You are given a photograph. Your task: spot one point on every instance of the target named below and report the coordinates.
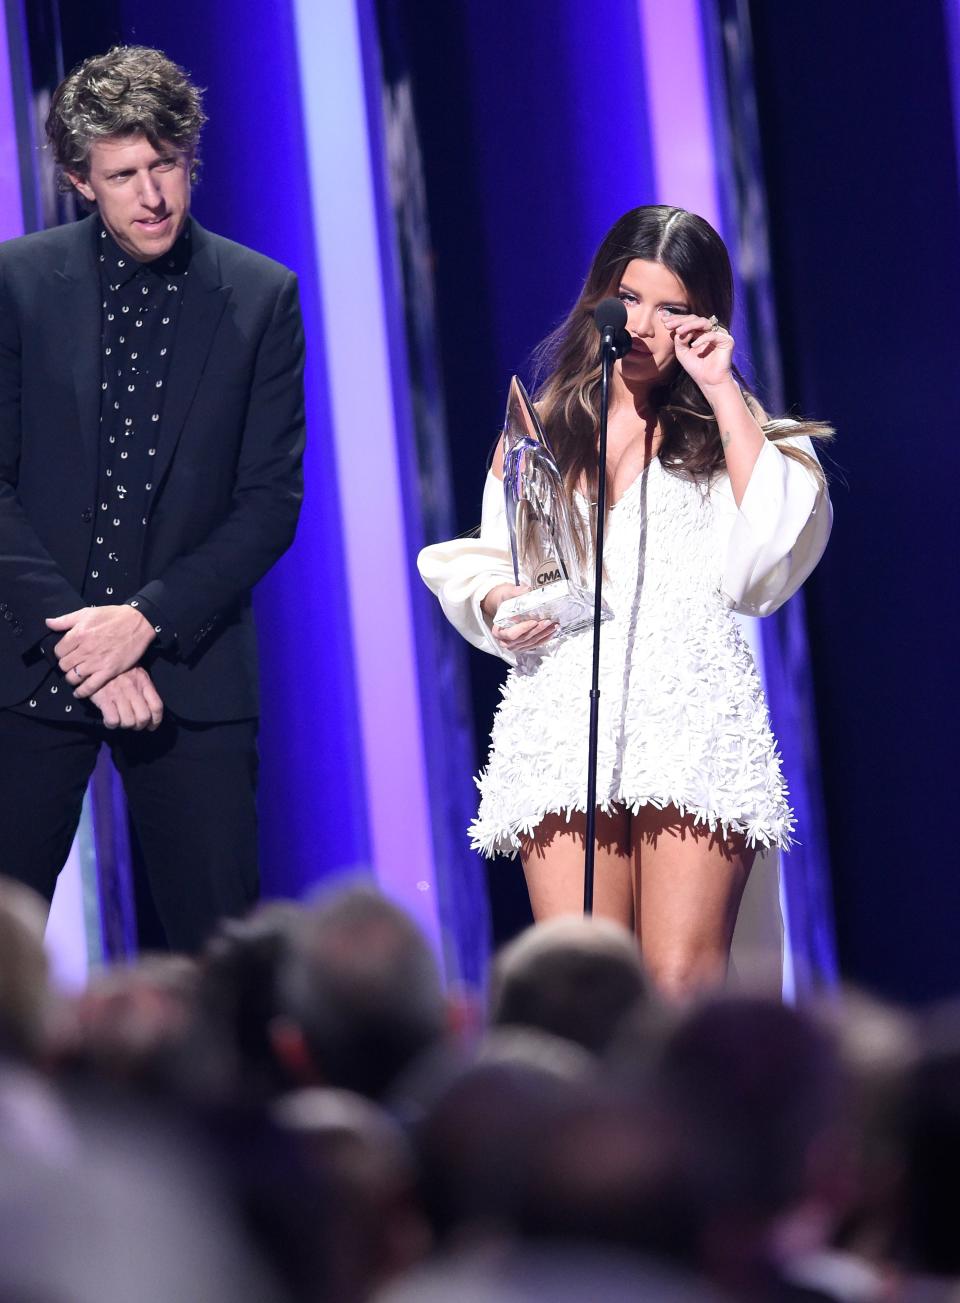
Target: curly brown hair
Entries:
(130, 90)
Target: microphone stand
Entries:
(608, 355)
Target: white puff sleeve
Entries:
(461, 573)
(773, 540)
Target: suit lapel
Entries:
(204, 300)
(78, 322)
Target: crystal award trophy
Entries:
(541, 532)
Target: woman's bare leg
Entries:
(689, 884)
(553, 865)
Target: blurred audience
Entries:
(301, 1116)
(378, 1228)
(477, 1138)
(129, 1025)
(931, 1248)
(878, 1048)
(34, 1127)
(755, 1091)
(575, 977)
(569, 1273)
(360, 996)
(24, 996)
(238, 1001)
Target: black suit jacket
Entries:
(229, 459)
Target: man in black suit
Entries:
(151, 438)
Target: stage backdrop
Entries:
(384, 151)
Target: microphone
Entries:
(611, 320)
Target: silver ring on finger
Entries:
(715, 323)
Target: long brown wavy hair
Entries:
(568, 399)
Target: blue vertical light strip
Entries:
(356, 331)
(806, 891)
(679, 107)
(11, 202)
(407, 254)
(951, 17)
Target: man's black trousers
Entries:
(191, 791)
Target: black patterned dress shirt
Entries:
(140, 308)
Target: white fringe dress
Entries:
(683, 719)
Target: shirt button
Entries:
(86, 515)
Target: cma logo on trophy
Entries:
(547, 573)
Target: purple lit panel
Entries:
(678, 101)
(365, 443)
(11, 203)
(951, 14)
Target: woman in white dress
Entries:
(712, 508)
